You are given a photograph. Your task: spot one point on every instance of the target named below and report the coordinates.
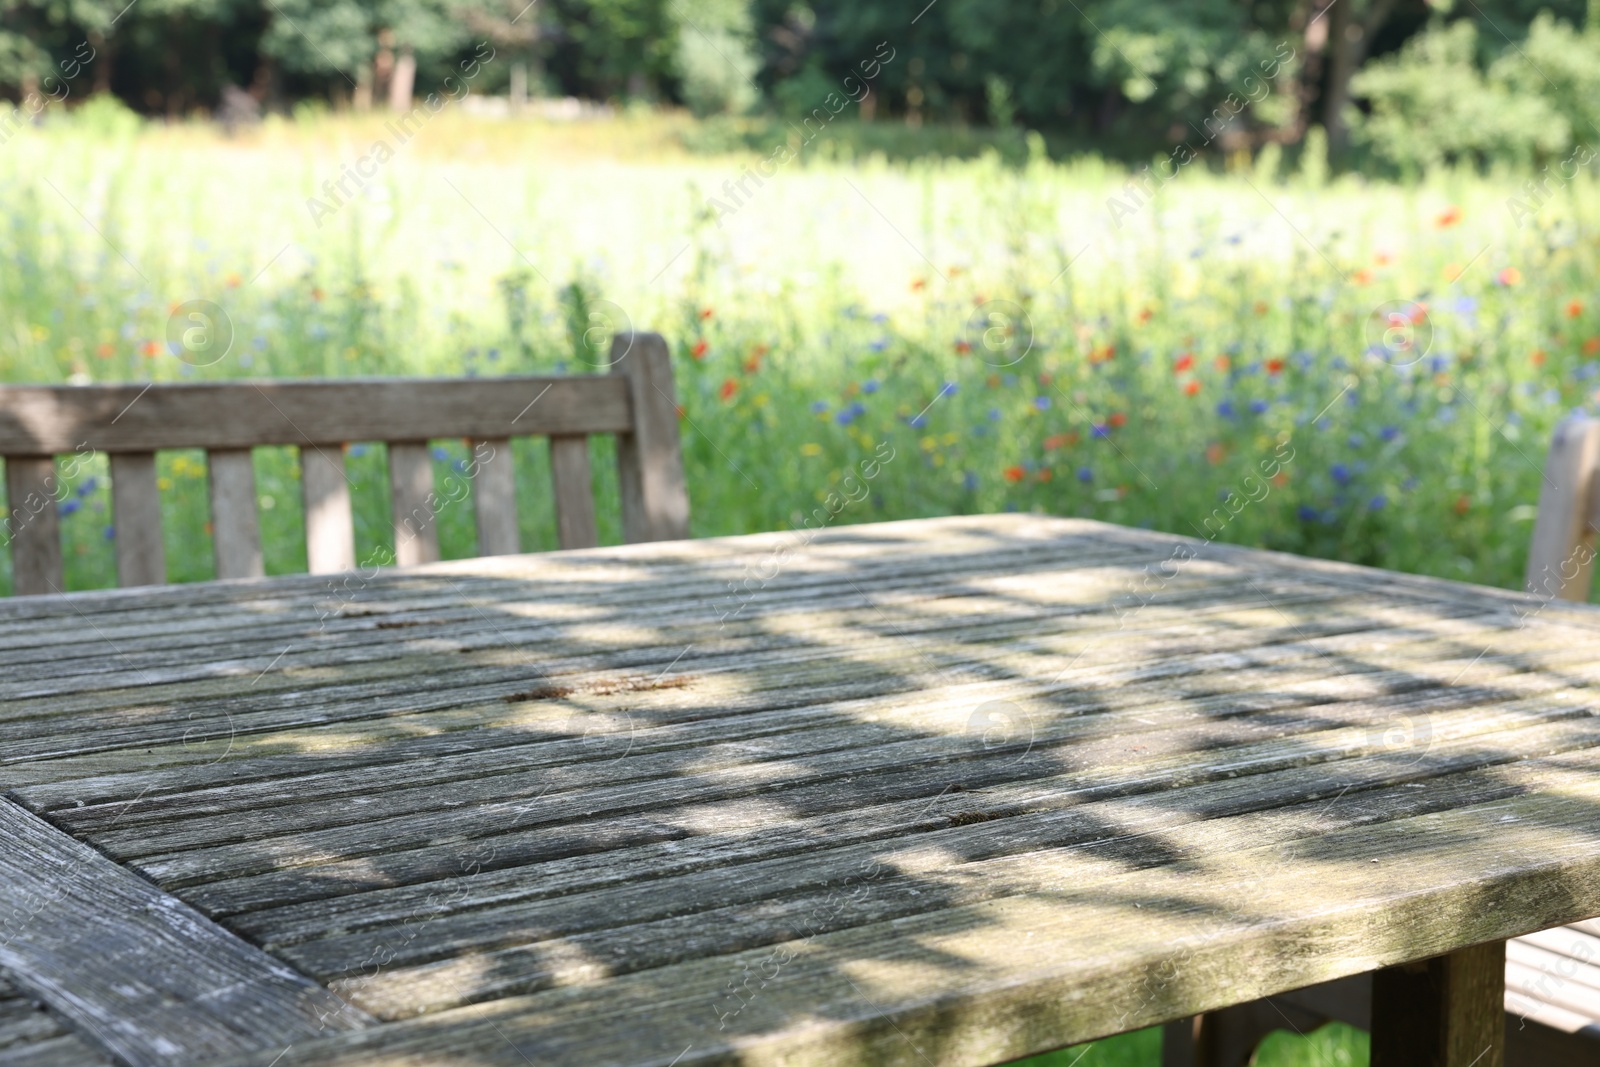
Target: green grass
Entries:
(838, 309)
(1332, 1046)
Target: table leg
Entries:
(1443, 1012)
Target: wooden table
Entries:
(938, 792)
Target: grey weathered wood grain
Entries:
(33, 1036)
(411, 501)
(32, 526)
(769, 764)
(330, 530)
(136, 511)
(472, 774)
(1561, 557)
(235, 528)
(153, 980)
(494, 497)
(574, 492)
(655, 499)
(39, 420)
(945, 984)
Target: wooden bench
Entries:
(130, 423)
(1552, 994)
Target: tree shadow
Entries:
(947, 793)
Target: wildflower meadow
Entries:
(1262, 355)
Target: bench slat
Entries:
(494, 498)
(136, 510)
(569, 470)
(39, 420)
(330, 534)
(33, 525)
(416, 528)
(235, 529)
(655, 500)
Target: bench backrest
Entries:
(1561, 556)
(636, 402)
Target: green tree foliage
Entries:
(1431, 104)
(1405, 83)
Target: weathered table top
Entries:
(937, 792)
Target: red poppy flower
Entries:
(1574, 309)
(1046, 474)
(729, 387)
(1591, 346)
(963, 347)
(700, 349)
(1448, 217)
(1184, 362)
(1274, 366)
(706, 313)
(1014, 474)
(1191, 387)
(1117, 418)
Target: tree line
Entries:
(1411, 81)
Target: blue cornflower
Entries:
(879, 345)
(1085, 474)
(1465, 305)
(994, 414)
(880, 317)
(869, 386)
(360, 450)
(1341, 473)
(440, 454)
(111, 533)
(1438, 364)
(917, 422)
(89, 485)
(1225, 409)
(1355, 440)
(1099, 430)
(460, 465)
(845, 417)
(68, 506)
(949, 389)
(1307, 513)
(970, 481)
(1042, 403)
(1259, 407)
(1389, 433)
(494, 353)
(1377, 503)
(818, 407)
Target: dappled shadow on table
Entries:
(941, 792)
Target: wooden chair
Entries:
(636, 402)
(1552, 996)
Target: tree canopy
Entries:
(1415, 81)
